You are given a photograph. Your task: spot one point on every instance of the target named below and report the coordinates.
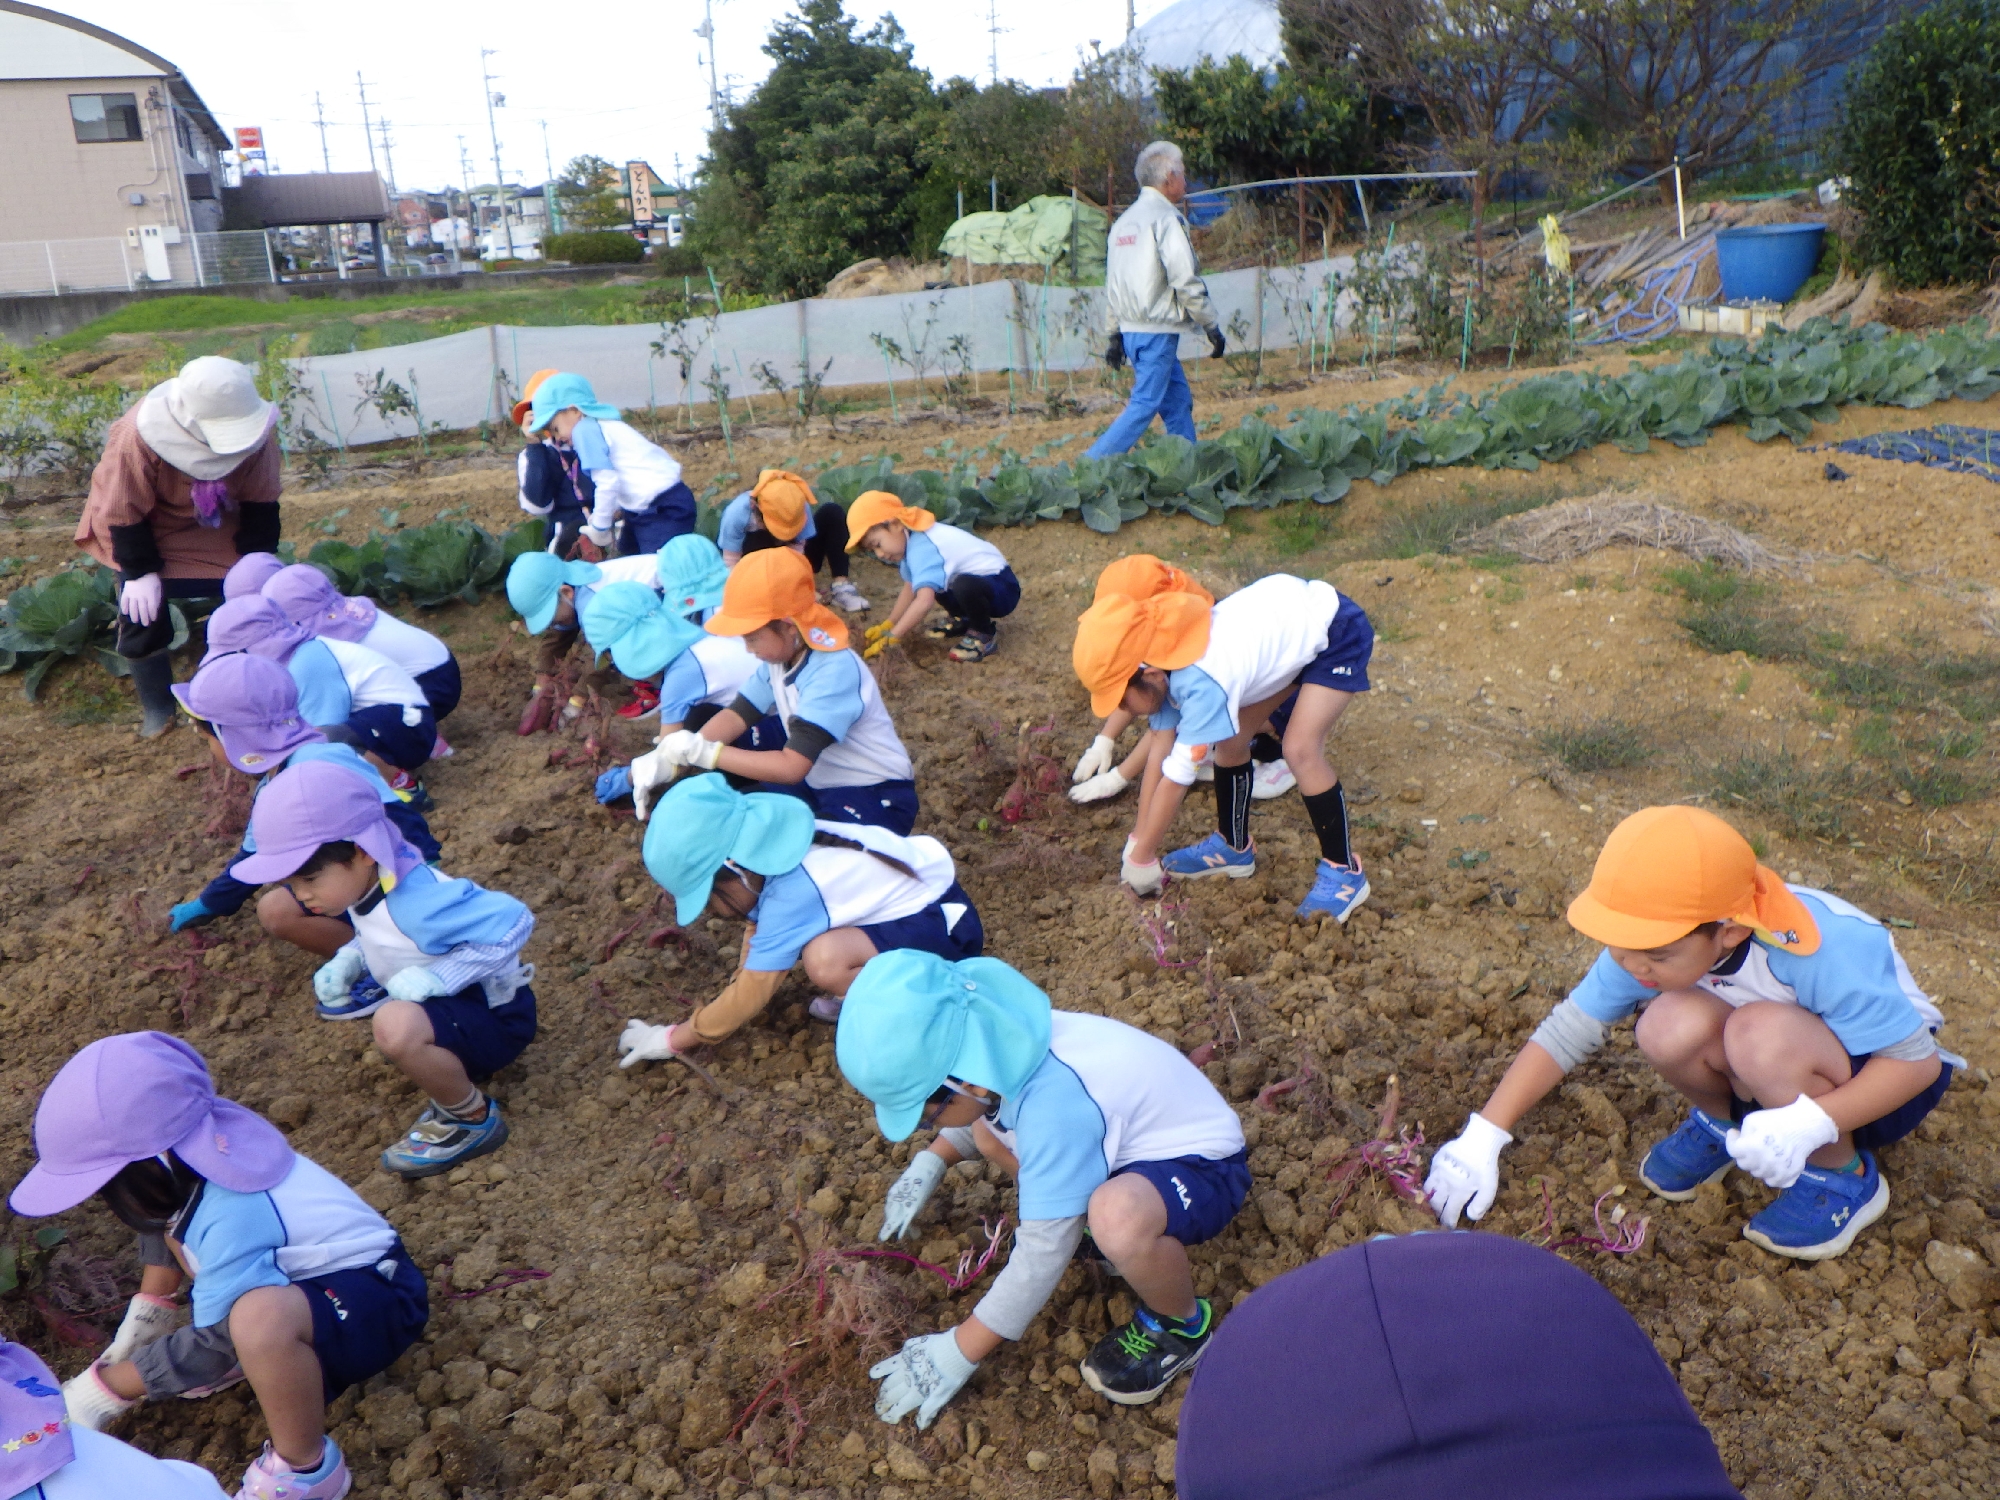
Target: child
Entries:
(249, 573)
(546, 593)
(48, 1457)
(1470, 1364)
(830, 895)
(633, 480)
(1785, 1016)
(841, 750)
(354, 695)
(780, 512)
(699, 674)
(1213, 675)
(299, 1287)
(250, 708)
(456, 1006)
(1099, 1123)
(1098, 773)
(940, 565)
(551, 485)
(307, 598)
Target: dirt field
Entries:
(671, 1222)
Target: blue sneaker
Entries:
(364, 997)
(1337, 891)
(1817, 1217)
(437, 1143)
(1692, 1155)
(1212, 856)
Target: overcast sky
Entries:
(622, 79)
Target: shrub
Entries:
(594, 247)
(1920, 136)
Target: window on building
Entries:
(201, 186)
(105, 117)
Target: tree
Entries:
(1103, 125)
(588, 193)
(1696, 77)
(1473, 70)
(817, 168)
(1002, 136)
(1235, 123)
(1920, 137)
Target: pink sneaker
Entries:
(271, 1478)
(442, 749)
(203, 1392)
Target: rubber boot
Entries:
(153, 680)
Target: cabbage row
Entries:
(1781, 384)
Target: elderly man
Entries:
(1153, 293)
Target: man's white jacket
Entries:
(1151, 281)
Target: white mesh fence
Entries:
(1030, 330)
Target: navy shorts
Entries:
(670, 515)
(483, 1037)
(1002, 590)
(1350, 642)
(931, 931)
(1202, 1193)
(886, 804)
(363, 1320)
(441, 687)
(1905, 1117)
(381, 730)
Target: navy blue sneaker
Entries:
(437, 1142)
(1134, 1364)
(1692, 1155)
(1817, 1217)
(364, 997)
(1212, 856)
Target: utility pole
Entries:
(388, 160)
(471, 227)
(993, 29)
(493, 132)
(319, 115)
(1131, 18)
(367, 130)
(706, 31)
(549, 187)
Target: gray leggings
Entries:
(188, 1358)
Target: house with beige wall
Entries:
(111, 155)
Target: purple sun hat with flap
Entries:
(34, 1421)
(318, 803)
(252, 703)
(1470, 1365)
(309, 600)
(254, 624)
(249, 573)
(125, 1098)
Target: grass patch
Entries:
(1437, 527)
(1597, 745)
(1802, 798)
(1298, 529)
(1891, 681)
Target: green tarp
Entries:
(1038, 233)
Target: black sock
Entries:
(1232, 804)
(1328, 811)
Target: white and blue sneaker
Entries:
(1693, 1156)
(1337, 891)
(438, 1142)
(1212, 856)
(1817, 1217)
(363, 998)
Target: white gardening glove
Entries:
(652, 774)
(920, 1377)
(332, 979)
(146, 1318)
(95, 1405)
(909, 1193)
(640, 1042)
(1104, 784)
(1099, 758)
(139, 600)
(686, 747)
(415, 983)
(1772, 1144)
(598, 538)
(1465, 1173)
(1147, 879)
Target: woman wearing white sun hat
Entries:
(188, 484)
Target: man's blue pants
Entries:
(1159, 388)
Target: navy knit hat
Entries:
(1433, 1367)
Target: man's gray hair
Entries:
(1157, 163)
